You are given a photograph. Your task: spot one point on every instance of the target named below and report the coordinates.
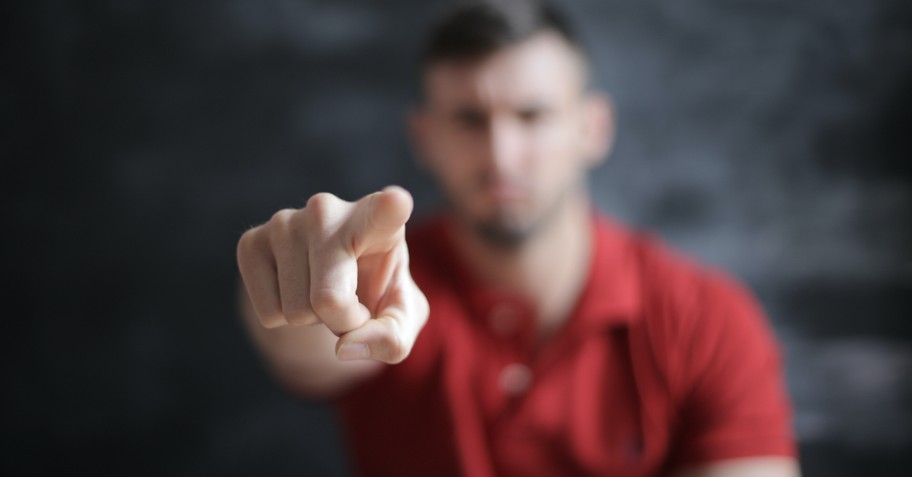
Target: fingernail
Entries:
(351, 351)
(395, 187)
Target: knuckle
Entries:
(300, 318)
(323, 212)
(402, 253)
(319, 203)
(298, 227)
(270, 321)
(249, 248)
(328, 301)
(423, 309)
(418, 308)
(395, 350)
(282, 217)
(278, 226)
(248, 239)
(245, 243)
(295, 305)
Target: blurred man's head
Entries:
(508, 126)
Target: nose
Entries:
(505, 145)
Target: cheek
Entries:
(557, 155)
(452, 160)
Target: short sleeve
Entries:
(736, 404)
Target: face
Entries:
(510, 136)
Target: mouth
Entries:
(502, 190)
(505, 192)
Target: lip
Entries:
(505, 192)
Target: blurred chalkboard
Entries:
(140, 138)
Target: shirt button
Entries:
(515, 379)
(504, 319)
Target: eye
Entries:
(470, 119)
(531, 114)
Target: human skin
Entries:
(509, 137)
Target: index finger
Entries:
(377, 222)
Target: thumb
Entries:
(389, 337)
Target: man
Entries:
(519, 332)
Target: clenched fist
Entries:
(342, 265)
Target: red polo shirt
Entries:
(662, 364)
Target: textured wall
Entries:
(140, 138)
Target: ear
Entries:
(599, 127)
(419, 133)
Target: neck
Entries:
(549, 269)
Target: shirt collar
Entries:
(610, 296)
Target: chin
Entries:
(504, 224)
(505, 230)
(499, 236)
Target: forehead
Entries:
(543, 68)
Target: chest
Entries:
(587, 404)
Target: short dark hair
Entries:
(475, 28)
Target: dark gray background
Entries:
(140, 138)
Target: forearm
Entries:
(746, 467)
(303, 358)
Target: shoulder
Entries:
(693, 314)
(716, 356)
(681, 292)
